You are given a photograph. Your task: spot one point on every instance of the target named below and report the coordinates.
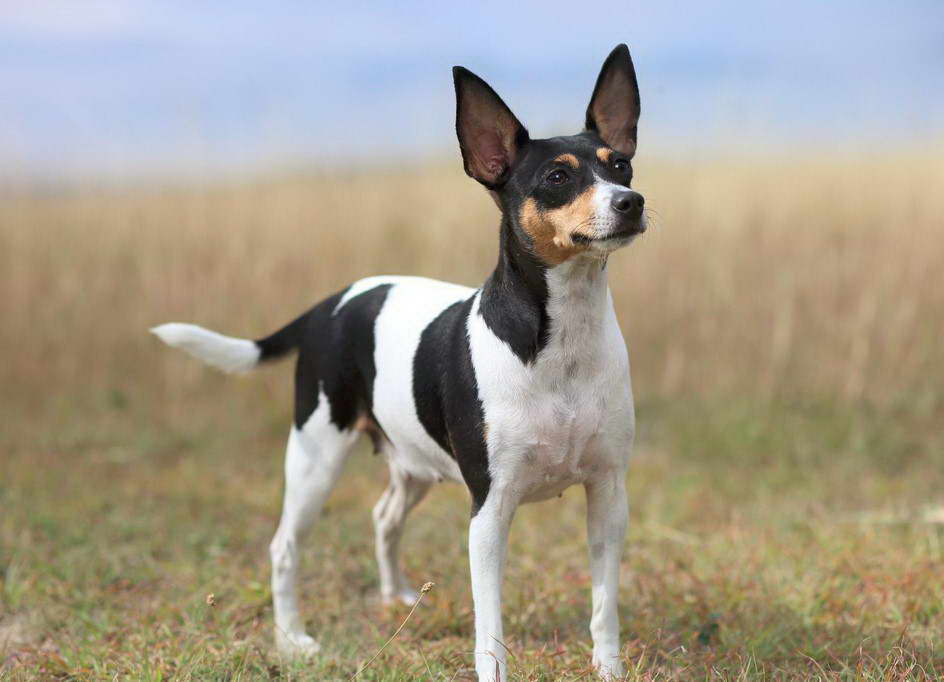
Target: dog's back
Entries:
(399, 323)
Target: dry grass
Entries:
(785, 324)
(763, 277)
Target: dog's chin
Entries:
(615, 238)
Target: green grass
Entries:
(768, 541)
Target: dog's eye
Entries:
(557, 177)
(622, 165)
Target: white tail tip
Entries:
(223, 352)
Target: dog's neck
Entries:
(525, 302)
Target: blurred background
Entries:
(108, 88)
(232, 163)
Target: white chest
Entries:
(566, 417)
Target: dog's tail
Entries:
(226, 352)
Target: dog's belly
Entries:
(412, 304)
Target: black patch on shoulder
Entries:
(337, 352)
(446, 394)
(514, 299)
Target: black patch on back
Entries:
(446, 394)
(285, 340)
(337, 353)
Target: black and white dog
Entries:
(519, 388)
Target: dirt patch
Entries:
(20, 638)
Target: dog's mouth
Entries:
(623, 233)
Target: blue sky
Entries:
(123, 88)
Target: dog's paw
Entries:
(296, 645)
(608, 666)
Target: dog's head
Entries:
(563, 196)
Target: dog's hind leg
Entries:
(402, 494)
(313, 462)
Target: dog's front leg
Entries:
(607, 517)
(488, 542)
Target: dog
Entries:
(520, 388)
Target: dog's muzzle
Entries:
(628, 206)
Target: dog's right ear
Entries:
(614, 108)
(490, 136)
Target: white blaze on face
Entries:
(606, 219)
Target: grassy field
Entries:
(784, 320)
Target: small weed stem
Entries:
(423, 590)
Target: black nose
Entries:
(628, 202)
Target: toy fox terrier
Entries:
(519, 388)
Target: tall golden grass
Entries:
(808, 275)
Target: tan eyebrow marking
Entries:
(604, 154)
(569, 159)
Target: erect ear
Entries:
(614, 108)
(490, 136)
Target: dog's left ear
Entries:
(614, 108)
